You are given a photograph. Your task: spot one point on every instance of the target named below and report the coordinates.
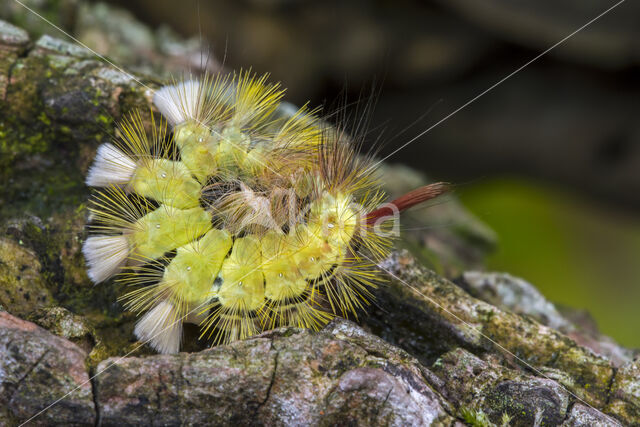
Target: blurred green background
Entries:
(578, 252)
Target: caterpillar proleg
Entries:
(235, 217)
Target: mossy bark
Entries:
(58, 103)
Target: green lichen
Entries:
(535, 345)
(22, 289)
(104, 119)
(475, 418)
(44, 119)
(506, 404)
(57, 248)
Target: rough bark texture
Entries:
(38, 368)
(430, 351)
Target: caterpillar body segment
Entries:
(163, 180)
(290, 298)
(198, 149)
(227, 127)
(185, 285)
(312, 255)
(127, 232)
(167, 181)
(168, 228)
(145, 166)
(237, 217)
(332, 219)
(189, 274)
(282, 282)
(242, 279)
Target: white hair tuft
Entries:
(111, 167)
(105, 255)
(179, 103)
(161, 328)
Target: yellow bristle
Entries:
(302, 311)
(253, 100)
(134, 138)
(301, 130)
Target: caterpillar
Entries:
(232, 215)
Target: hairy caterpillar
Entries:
(236, 217)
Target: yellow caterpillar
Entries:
(237, 218)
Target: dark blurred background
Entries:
(550, 158)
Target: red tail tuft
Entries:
(408, 200)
